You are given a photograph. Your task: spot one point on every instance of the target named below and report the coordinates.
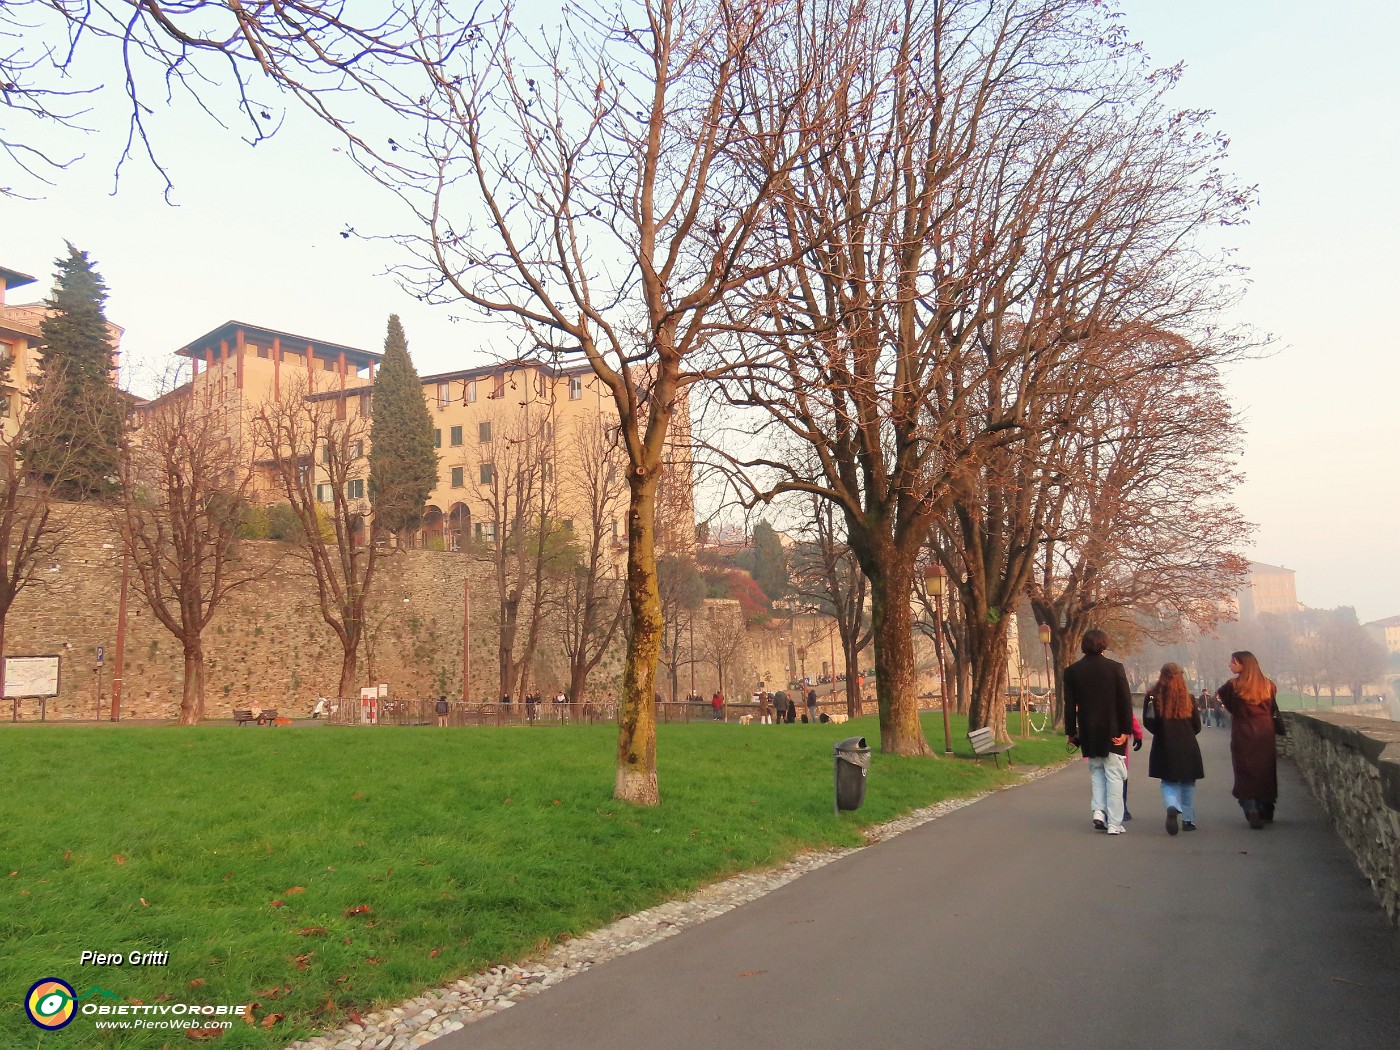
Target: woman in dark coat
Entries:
(1252, 701)
(1174, 720)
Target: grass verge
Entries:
(322, 871)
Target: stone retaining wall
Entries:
(1352, 765)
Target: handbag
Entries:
(1149, 710)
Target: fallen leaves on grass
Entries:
(434, 953)
(198, 982)
(143, 901)
(373, 960)
(303, 962)
(272, 1019)
(312, 931)
(359, 909)
(118, 858)
(278, 904)
(203, 1035)
(293, 891)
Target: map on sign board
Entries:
(29, 676)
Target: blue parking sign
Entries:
(100, 653)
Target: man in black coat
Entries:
(1099, 721)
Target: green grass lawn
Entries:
(316, 871)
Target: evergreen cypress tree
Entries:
(770, 569)
(402, 463)
(76, 442)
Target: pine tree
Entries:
(76, 442)
(402, 463)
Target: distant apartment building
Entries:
(1267, 589)
(484, 420)
(20, 339)
(1387, 632)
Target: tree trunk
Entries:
(192, 694)
(896, 687)
(636, 734)
(348, 659)
(855, 706)
(986, 650)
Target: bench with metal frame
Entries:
(984, 742)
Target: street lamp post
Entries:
(802, 663)
(1049, 678)
(936, 582)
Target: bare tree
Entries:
(230, 60)
(186, 477)
(723, 640)
(513, 471)
(315, 445)
(825, 575)
(591, 601)
(1010, 183)
(605, 188)
(1142, 520)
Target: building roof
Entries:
(1261, 567)
(1389, 621)
(13, 278)
(481, 371)
(229, 330)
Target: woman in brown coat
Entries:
(1173, 719)
(1252, 701)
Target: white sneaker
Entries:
(1099, 821)
(1117, 829)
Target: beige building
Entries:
(520, 419)
(1387, 632)
(1267, 589)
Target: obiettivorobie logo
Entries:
(51, 1003)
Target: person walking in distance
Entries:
(1099, 721)
(1251, 700)
(1174, 720)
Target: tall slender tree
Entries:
(75, 443)
(402, 463)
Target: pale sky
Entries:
(1306, 93)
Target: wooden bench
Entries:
(984, 742)
(264, 717)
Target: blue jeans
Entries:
(1107, 776)
(1181, 797)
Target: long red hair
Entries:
(1250, 684)
(1173, 698)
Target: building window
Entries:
(323, 493)
(483, 430)
(437, 439)
(443, 396)
(456, 437)
(326, 454)
(355, 488)
(357, 450)
(457, 481)
(366, 404)
(486, 530)
(498, 385)
(471, 391)
(262, 351)
(488, 473)
(575, 388)
(327, 365)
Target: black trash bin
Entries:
(852, 761)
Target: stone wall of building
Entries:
(1352, 765)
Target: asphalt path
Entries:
(1012, 923)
